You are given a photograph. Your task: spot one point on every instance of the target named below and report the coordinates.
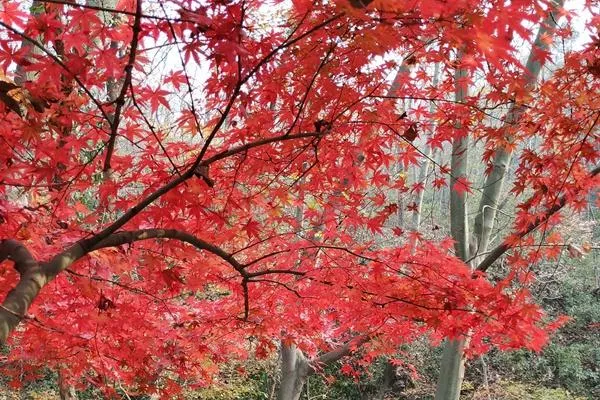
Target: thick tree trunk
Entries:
(452, 370)
(66, 391)
(294, 371)
(296, 368)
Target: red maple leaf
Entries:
(462, 186)
(252, 229)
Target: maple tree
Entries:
(150, 207)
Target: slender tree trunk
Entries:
(424, 169)
(452, 367)
(486, 215)
(113, 87)
(395, 90)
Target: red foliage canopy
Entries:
(190, 181)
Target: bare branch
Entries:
(246, 299)
(153, 131)
(275, 271)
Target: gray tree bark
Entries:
(452, 367)
(424, 169)
(296, 368)
(294, 371)
(488, 206)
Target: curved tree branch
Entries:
(32, 279)
(261, 142)
(33, 276)
(63, 260)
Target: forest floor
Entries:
(496, 391)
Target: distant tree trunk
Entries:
(486, 215)
(113, 87)
(424, 169)
(387, 384)
(20, 74)
(395, 90)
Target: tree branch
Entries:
(127, 237)
(504, 247)
(337, 353)
(120, 100)
(114, 10)
(33, 276)
(31, 280)
(241, 81)
(261, 142)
